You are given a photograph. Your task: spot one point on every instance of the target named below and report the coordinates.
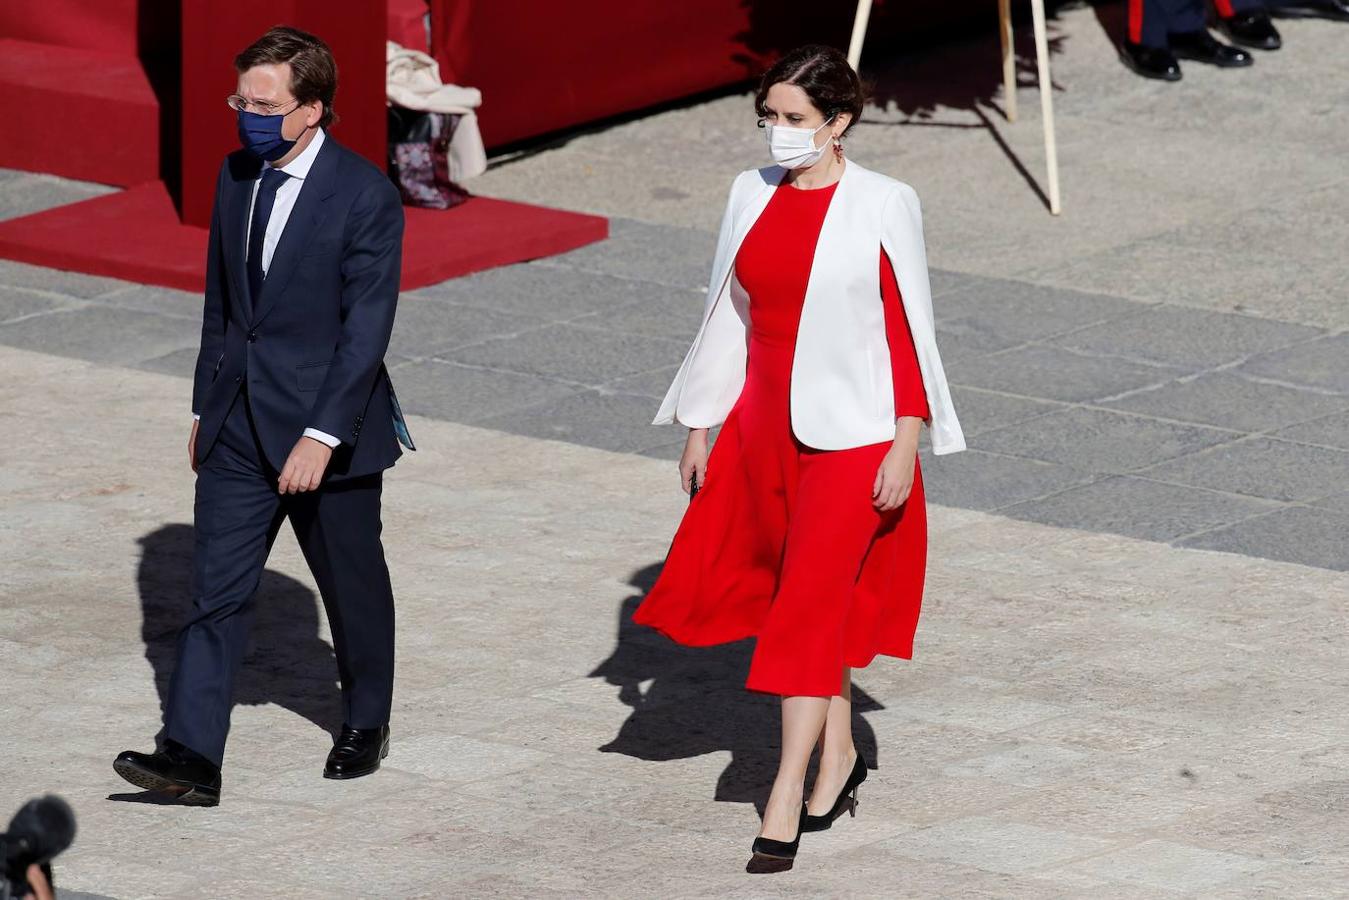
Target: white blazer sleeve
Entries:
(903, 241)
(666, 414)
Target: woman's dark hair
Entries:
(824, 74)
(313, 71)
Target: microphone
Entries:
(41, 829)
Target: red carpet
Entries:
(136, 235)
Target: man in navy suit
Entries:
(295, 413)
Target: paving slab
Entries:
(1328, 431)
(56, 281)
(1174, 867)
(29, 192)
(103, 334)
(428, 327)
(1260, 467)
(1115, 442)
(1311, 536)
(1185, 338)
(1228, 400)
(16, 303)
(1037, 370)
(465, 393)
(1316, 364)
(1011, 312)
(611, 421)
(638, 251)
(988, 481)
(573, 353)
(546, 289)
(1137, 506)
(153, 299)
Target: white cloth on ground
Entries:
(412, 81)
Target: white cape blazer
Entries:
(842, 393)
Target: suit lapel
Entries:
(234, 225)
(309, 210)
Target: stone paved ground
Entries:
(1100, 704)
(1097, 714)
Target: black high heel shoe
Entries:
(847, 799)
(775, 856)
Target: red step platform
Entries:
(136, 235)
(80, 113)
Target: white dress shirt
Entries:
(286, 195)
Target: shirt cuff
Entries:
(196, 417)
(322, 437)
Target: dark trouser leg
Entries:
(1149, 22)
(1228, 8)
(1184, 16)
(338, 528)
(237, 515)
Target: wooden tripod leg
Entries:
(859, 33)
(1008, 59)
(1046, 103)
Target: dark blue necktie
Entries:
(272, 179)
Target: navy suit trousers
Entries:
(1151, 21)
(238, 514)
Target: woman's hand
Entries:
(894, 478)
(693, 464)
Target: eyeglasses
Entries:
(240, 104)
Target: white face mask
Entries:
(794, 148)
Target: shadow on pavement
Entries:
(288, 663)
(689, 701)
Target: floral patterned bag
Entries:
(419, 144)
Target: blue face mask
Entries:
(261, 135)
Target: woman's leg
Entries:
(837, 754)
(802, 721)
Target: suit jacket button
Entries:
(238, 379)
(252, 337)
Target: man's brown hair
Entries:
(313, 71)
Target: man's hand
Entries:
(39, 889)
(304, 467)
(192, 445)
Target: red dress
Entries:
(782, 542)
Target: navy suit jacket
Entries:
(311, 346)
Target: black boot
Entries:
(1335, 10)
(357, 752)
(175, 770)
(1203, 47)
(1252, 29)
(1151, 62)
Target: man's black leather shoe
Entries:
(175, 770)
(1337, 10)
(357, 752)
(1151, 62)
(1252, 29)
(1203, 47)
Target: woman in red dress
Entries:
(819, 553)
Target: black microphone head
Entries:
(42, 828)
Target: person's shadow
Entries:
(287, 663)
(688, 701)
